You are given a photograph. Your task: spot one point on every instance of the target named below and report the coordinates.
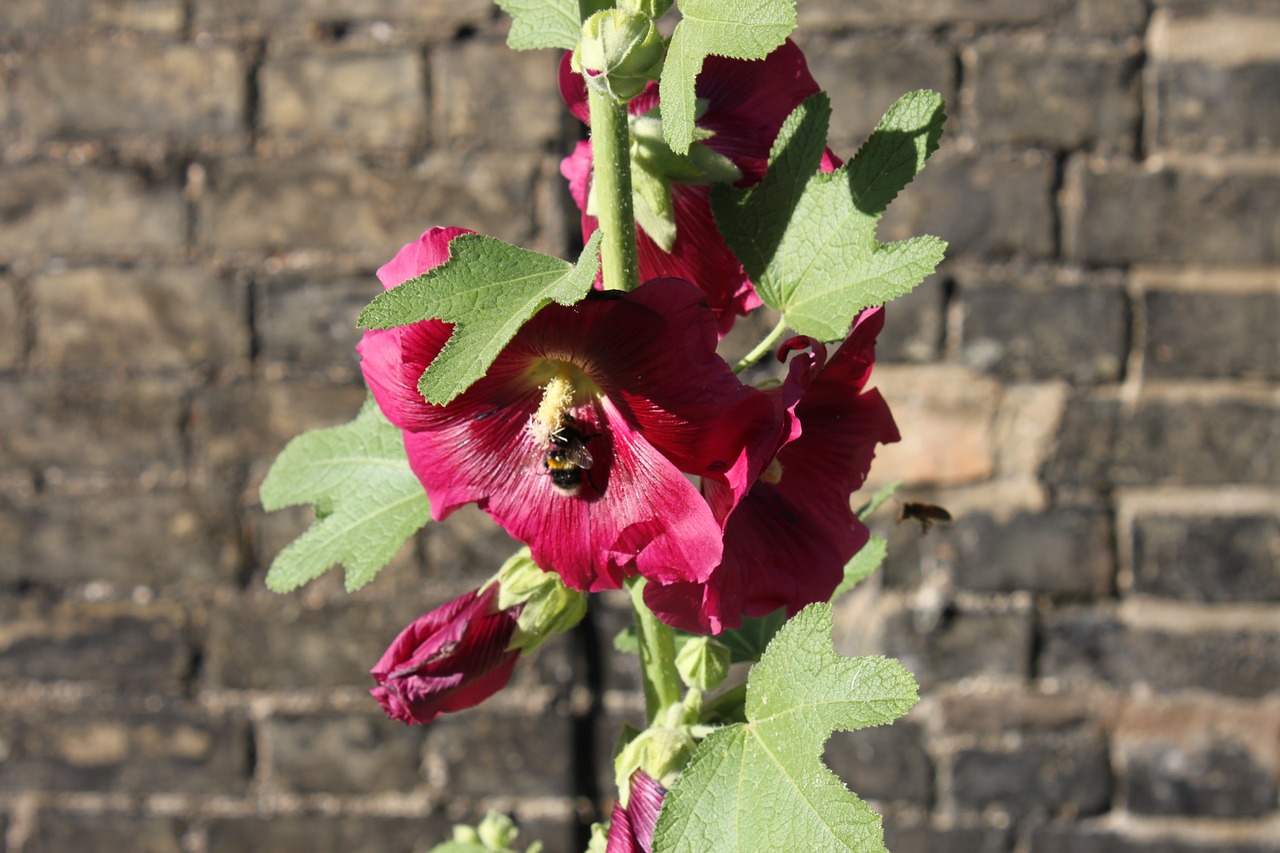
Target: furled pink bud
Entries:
(631, 828)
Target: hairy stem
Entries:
(611, 158)
(762, 348)
(657, 654)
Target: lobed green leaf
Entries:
(366, 498)
(487, 289)
(542, 23)
(761, 785)
(807, 239)
(738, 29)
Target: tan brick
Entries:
(108, 88)
(1213, 36)
(946, 416)
(438, 19)
(484, 94)
(124, 429)
(138, 320)
(42, 16)
(12, 332)
(341, 205)
(835, 13)
(360, 98)
(49, 209)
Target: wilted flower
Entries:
(787, 541)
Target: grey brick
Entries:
(1059, 552)
(310, 324)
(1081, 645)
(961, 645)
(125, 429)
(488, 754)
(871, 13)
(913, 324)
(143, 320)
(1222, 558)
(348, 753)
(179, 749)
(64, 831)
(1063, 98)
(317, 833)
(990, 205)
(1131, 214)
(1084, 449)
(177, 91)
(1217, 778)
(467, 547)
(49, 209)
(883, 763)
(926, 839)
(885, 69)
(340, 205)
(484, 95)
(1212, 335)
(1207, 107)
(153, 539)
(1109, 17)
(1187, 441)
(1006, 333)
(1080, 838)
(125, 647)
(1071, 775)
(278, 643)
(360, 98)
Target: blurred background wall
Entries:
(193, 197)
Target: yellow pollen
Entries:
(557, 399)
(773, 473)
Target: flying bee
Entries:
(567, 458)
(924, 513)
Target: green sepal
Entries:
(548, 606)
(703, 663)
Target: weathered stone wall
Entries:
(193, 197)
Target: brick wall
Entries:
(194, 195)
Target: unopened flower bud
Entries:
(622, 51)
(549, 607)
(497, 831)
(660, 752)
(703, 663)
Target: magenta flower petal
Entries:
(652, 402)
(787, 541)
(452, 658)
(631, 829)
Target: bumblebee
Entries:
(567, 458)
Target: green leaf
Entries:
(878, 499)
(738, 29)
(761, 785)
(542, 23)
(862, 565)
(808, 239)
(748, 642)
(488, 289)
(367, 500)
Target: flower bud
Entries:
(621, 51)
(703, 663)
(497, 831)
(546, 605)
(662, 753)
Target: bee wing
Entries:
(580, 456)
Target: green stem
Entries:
(611, 158)
(662, 684)
(762, 348)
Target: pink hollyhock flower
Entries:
(452, 658)
(747, 102)
(631, 828)
(578, 439)
(787, 541)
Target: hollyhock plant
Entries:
(787, 541)
(746, 104)
(451, 658)
(578, 439)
